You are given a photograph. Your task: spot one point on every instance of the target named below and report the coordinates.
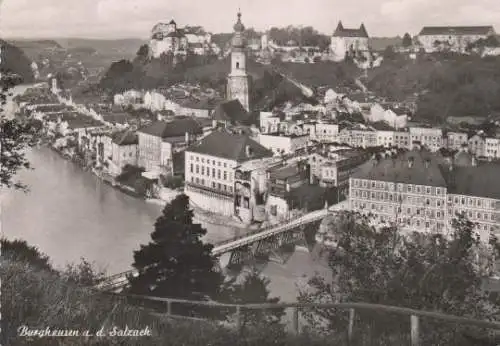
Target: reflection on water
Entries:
(70, 214)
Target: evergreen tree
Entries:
(253, 289)
(176, 264)
(407, 41)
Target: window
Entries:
(438, 191)
(218, 186)
(230, 189)
(202, 181)
(213, 184)
(225, 165)
(197, 159)
(192, 179)
(197, 181)
(192, 168)
(218, 174)
(202, 160)
(197, 169)
(225, 175)
(428, 190)
(409, 188)
(202, 170)
(213, 172)
(373, 184)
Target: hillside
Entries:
(33, 48)
(448, 85)
(115, 49)
(15, 61)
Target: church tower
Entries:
(238, 81)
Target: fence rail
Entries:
(414, 316)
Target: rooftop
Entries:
(231, 111)
(344, 32)
(175, 128)
(479, 181)
(424, 169)
(457, 30)
(230, 146)
(125, 138)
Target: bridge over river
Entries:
(237, 249)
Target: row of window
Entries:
(389, 209)
(471, 202)
(382, 185)
(208, 161)
(214, 185)
(395, 197)
(197, 169)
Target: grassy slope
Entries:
(39, 299)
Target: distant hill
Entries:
(15, 61)
(119, 48)
(33, 48)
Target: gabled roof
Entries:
(340, 31)
(457, 30)
(125, 138)
(230, 146)
(398, 170)
(175, 128)
(231, 111)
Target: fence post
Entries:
(350, 326)
(238, 318)
(415, 338)
(169, 307)
(295, 320)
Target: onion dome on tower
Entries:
(238, 40)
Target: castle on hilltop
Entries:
(168, 38)
(352, 42)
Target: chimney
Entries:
(248, 151)
(474, 162)
(427, 163)
(410, 162)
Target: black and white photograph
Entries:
(252, 172)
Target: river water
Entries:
(69, 214)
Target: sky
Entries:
(135, 18)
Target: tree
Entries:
(176, 263)
(17, 134)
(19, 251)
(253, 289)
(407, 41)
(420, 271)
(389, 53)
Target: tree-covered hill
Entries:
(448, 84)
(15, 61)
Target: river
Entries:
(70, 214)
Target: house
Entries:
(209, 169)
(326, 132)
(456, 140)
(358, 136)
(230, 113)
(124, 151)
(492, 147)
(160, 140)
(251, 186)
(282, 181)
(281, 143)
(456, 38)
(477, 145)
(348, 41)
(429, 137)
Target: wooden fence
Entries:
(414, 316)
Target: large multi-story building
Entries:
(210, 166)
(359, 137)
(166, 38)
(429, 137)
(238, 81)
(348, 41)
(456, 38)
(418, 191)
(159, 141)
